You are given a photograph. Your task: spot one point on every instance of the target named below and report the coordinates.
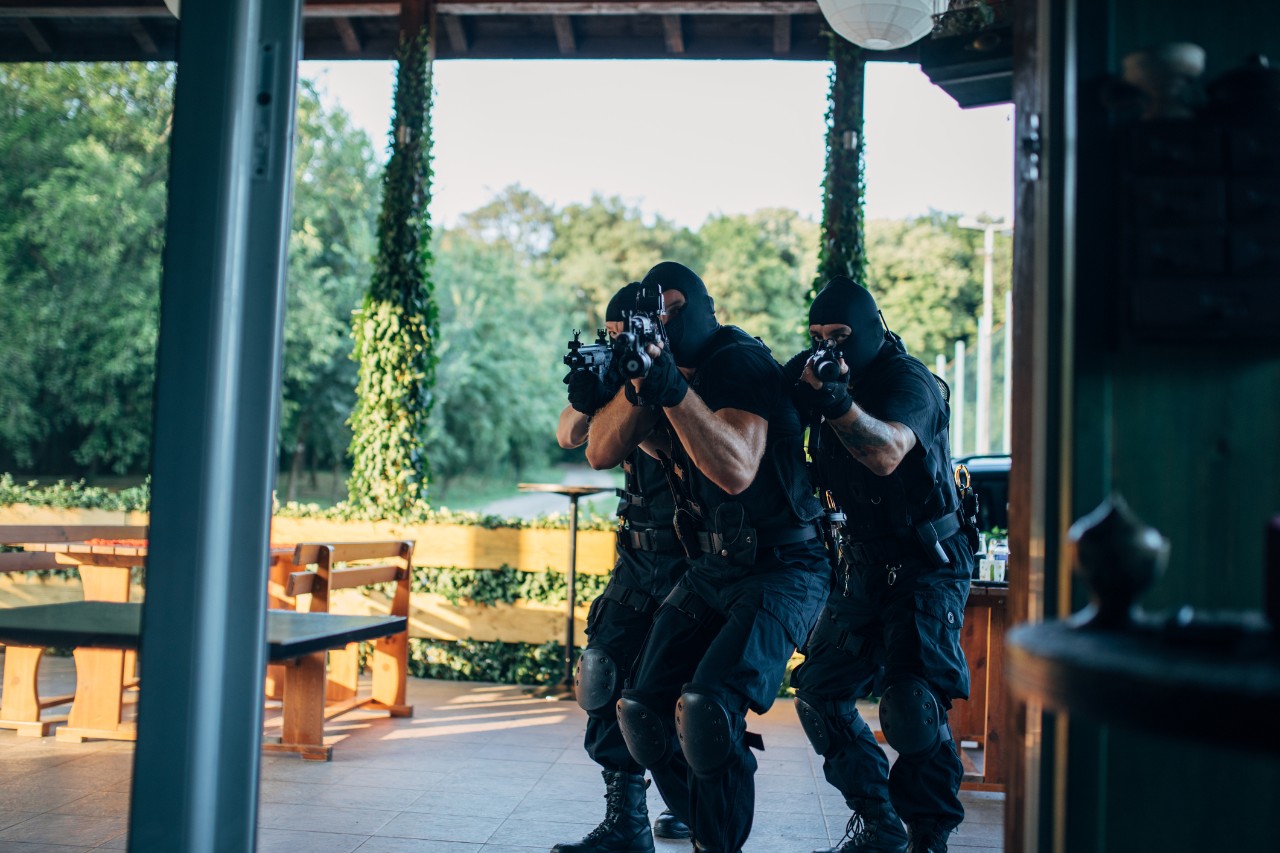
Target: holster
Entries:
(930, 534)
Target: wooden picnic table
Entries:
(102, 674)
(110, 625)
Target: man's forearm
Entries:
(571, 431)
(726, 449)
(616, 430)
(880, 445)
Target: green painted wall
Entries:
(1190, 435)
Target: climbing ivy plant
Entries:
(396, 327)
(843, 250)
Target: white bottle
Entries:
(999, 555)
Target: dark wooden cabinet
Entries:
(1199, 231)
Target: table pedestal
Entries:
(564, 688)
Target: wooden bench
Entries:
(106, 625)
(312, 695)
(21, 706)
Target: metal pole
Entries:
(1008, 371)
(203, 649)
(573, 590)
(957, 403)
(982, 427)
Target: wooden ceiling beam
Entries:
(385, 9)
(31, 30)
(138, 29)
(673, 34)
(346, 32)
(456, 32)
(781, 35)
(565, 41)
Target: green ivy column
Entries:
(396, 328)
(843, 251)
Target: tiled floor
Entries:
(480, 768)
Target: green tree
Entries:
(396, 328)
(516, 220)
(81, 196)
(330, 263)
(82, 205)
(758, 267)
(502, 334)
(600, 246)
(926, 274)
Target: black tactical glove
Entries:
(664, 384)
(587, 392)
(831, 400)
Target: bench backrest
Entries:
(16, 534)
(394, 563)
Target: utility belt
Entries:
(741, 548)
(626, 498)
(648, 538)
(636, 599)
(922, 540)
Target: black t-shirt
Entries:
(896, 387)
(739, 373)
(645, 480)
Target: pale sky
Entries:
(686, 139)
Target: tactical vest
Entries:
(919, 490)
(645, 500)
(781, 496)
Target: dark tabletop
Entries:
(113, 625)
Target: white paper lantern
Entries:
(879, 24)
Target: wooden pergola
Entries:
(104, 30)
(219, 352)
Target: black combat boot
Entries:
(625, 828)
(927, 837)
(874, 827)
(669, 826)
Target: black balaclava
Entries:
(692, 329)
(845, 301)
(624, 300)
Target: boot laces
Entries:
(857, 832)
(612, 811)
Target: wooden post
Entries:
(842, 251)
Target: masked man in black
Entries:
(902, 578)
(721, 640)
(649, 563)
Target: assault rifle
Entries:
(594, 357)
(644, 327)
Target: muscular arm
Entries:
(571, 432)
(880, 445)
(726, 445)
(616, 430)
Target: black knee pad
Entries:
(829, 725)
(708, 731)
(597, 681)
(912, 719)
(647, 737)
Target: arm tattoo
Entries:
(864, 437)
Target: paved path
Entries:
(536, 504)
(479, 768)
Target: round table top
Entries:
(562, 489)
